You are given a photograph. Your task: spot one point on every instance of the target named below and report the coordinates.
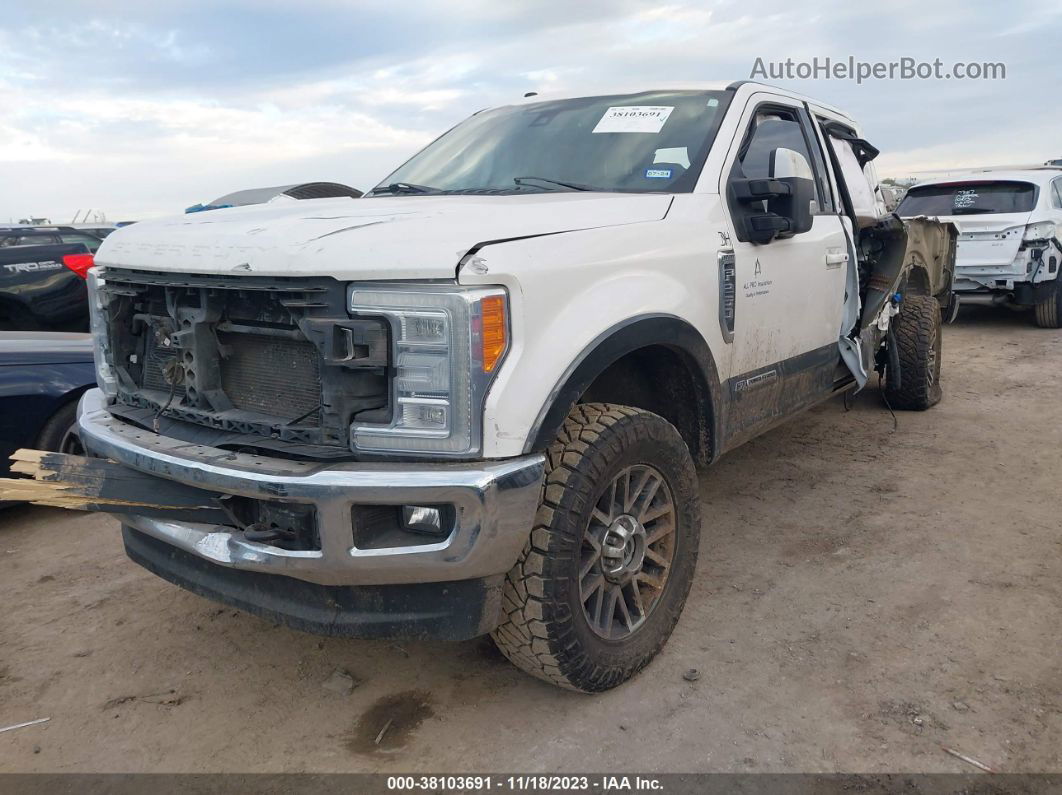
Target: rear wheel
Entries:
(917, 334)
(1049, 310)
(605, 574)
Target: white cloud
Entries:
(145, 108)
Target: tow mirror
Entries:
(787, 195)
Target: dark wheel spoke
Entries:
(657, 583)
(599, 606)
(656, 513)
(636, 599)
(655, 557)
(588, 564)
(647, 499)
(633, 495)
(610, 609)
(624, 609)
(592, 585)
(661, 530)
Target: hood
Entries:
(44, 347)
(405, 237)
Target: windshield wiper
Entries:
(403, 187)
(569, 185)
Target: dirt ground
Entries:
(864, 597)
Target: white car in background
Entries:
(1009, 224)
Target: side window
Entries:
(91, 243)
(29, 240)
(1056, 193)
(776, 127)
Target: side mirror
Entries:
(789, 164)
(787, 195)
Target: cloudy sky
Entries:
(143, 108)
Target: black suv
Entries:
(42, 277)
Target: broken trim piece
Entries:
(59, 480)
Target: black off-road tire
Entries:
(545, 630)
(1049, 310)
(59, 434)
(917, 333)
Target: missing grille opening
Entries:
(275, 358)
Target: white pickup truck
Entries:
(474, 400)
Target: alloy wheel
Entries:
(627, 551)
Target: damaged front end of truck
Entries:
(222, 438)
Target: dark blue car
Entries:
(42, 377)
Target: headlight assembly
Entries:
(98, 327)
(447, 344)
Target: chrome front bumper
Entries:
(495, 506)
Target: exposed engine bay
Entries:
(245, 362)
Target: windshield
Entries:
(969, 198)
(641, 143)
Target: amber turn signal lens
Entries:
(495, 331)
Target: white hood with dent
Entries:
(408, 237)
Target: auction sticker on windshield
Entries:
(634, 119)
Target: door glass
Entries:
(773, 128)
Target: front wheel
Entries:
(605, 573)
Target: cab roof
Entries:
(678, 85)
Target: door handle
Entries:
(835, 257)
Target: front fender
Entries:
(580, 303)
(610, 346)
